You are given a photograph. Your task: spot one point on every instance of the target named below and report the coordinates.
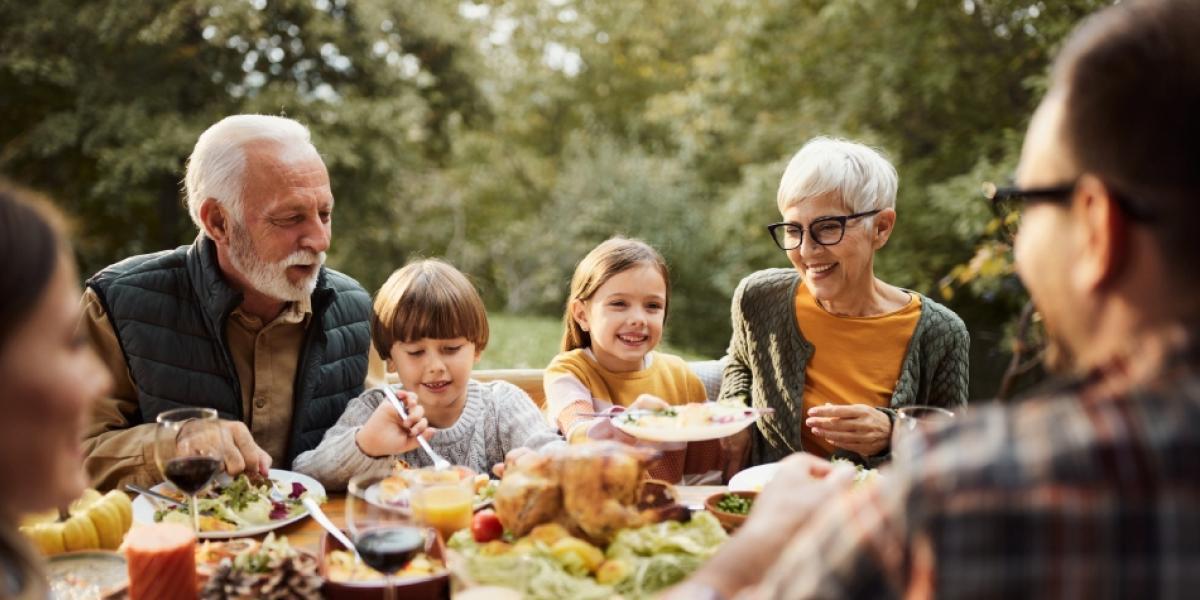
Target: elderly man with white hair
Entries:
(830, 347)
(245, 320)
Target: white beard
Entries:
(271, 279)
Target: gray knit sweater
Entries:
(498, 416)
(768, 355)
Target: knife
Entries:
(137, 489)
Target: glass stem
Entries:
(389, 592)
(195, 515)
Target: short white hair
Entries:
(859, 174)
(217, 165)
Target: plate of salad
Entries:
(236, 506)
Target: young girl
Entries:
(614, 319)
(430, 323)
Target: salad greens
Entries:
(735, 504)
(637, 564)
(239, 504)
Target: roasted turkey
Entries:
(594, 490)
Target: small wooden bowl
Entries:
(728, 520)
(432, 587)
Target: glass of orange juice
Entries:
(443, 499)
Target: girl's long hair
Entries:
(613, 256)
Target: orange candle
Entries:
(161, 561)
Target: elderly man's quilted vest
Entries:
(169, 310)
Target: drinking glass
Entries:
(910, 418)
(187, 448)
(386, 537)
(442, 499)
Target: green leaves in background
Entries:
(511, 136)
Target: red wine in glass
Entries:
(387, 549)
(187, 448)
(191, 473)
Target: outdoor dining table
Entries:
(306, 534)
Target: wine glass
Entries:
(910, 418)
(187, 447)
(386, 538)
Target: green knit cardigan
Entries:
(768, 355)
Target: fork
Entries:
(439, 463)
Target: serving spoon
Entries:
(319, 516)
(439, 463)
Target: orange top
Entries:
(856, 360)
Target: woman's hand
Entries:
(859, 428)
(385, 433)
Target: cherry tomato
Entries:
(485, 526)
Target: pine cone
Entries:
(290, 578)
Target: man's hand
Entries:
(230, 441)
(858, 428)
(385, 433)
(800, 487)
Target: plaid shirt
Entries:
(1092, 491)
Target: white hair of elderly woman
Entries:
(218, 162)
(863, 178)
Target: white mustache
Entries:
(303, 258)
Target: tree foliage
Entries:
(511, 136)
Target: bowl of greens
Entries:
(730, 508)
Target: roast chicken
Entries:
(594, 490)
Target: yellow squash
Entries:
(96, 521)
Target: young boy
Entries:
(430, 325)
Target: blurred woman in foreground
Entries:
(49, 378)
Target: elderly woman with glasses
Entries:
(831, 348)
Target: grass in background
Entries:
(521, 342)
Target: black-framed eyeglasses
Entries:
(825, 231)
(1007, 202)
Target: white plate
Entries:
(143, 508)
(753, 479)
(684, 434)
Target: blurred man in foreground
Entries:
(246, 320)
(1088, 489)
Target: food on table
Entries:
(341, 567)
(161, 562)
(735, 504)
(594, 490)
(239, 504)
(394, 489)
(270, 570)
(486, 526)
(95, 521)
(86, 575)
(862, 474)
(549, 562)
